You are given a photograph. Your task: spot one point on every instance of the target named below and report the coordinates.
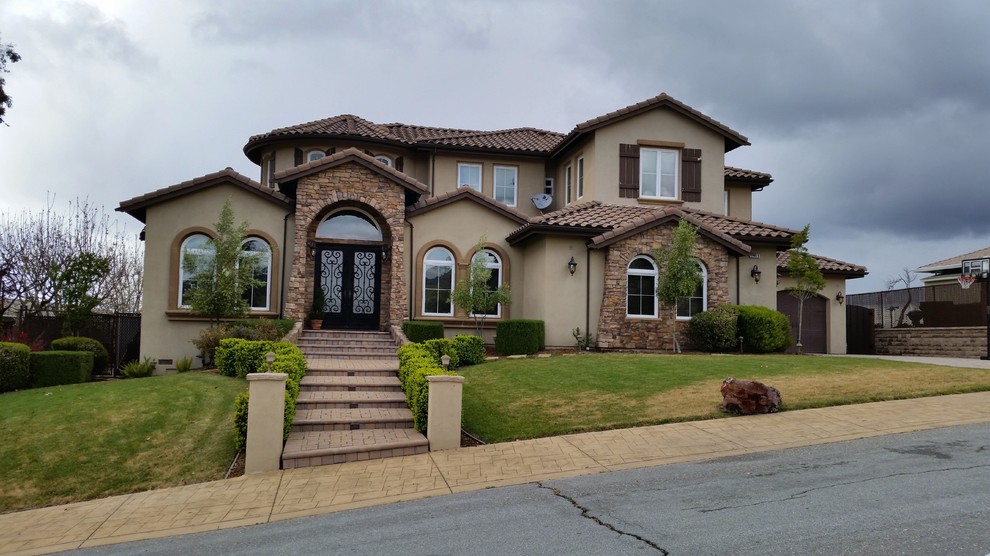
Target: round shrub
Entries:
(470, 349)
(715, 331)
(763, 330)
(101, 357)
(15, 366)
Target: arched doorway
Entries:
(349, 256)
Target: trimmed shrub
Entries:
(419, 331)
(15, 366)
(51, 368)
(139, 369)
(240, 420)
(101, 357)
(763, 330)
(415, 364)
(470, 349)
(715, 331)
(238, 357)
(519, 337)
(260, 329)
(439, 347)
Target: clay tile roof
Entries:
(827, 265)
(954, 262)
(744, 174)
(744, 229)
(659, 216)
(346, 155)
(466, 193)
(137, 207)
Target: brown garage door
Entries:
(813, 330)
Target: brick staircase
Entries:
(350, 405)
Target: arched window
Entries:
(349, 224)
(259, 295)
(693, 304)
(195, 254)
(314, 155)
(384, 160)
(641, 288)
(438, 282)
(494, 265)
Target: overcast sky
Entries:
(872, 116)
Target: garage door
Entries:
(813, 331)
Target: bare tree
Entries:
(905, 279)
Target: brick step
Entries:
(342, 372)
(333, 349)
(352, 419)
(305, 449)
(311, 383)
(352, 355)
(349, 400)
(306, 345)
(343, 335)
(322, 363)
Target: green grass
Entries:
(513, 399)
(68, 443)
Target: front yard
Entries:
(514, 399)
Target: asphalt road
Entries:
(919, 493)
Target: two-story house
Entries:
(385, 218)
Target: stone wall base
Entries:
(969, 341)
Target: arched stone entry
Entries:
(349, 255)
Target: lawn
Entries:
(512, 399)
(77, 442)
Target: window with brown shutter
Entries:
(298, 157)
(330, 151)
(629, 171)
(691, 175)
(399, 163)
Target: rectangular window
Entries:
(506, 178)
(658, 173)
(641, 297)
(548, 186)
(580, 177)
(469, 175)
(567, 185)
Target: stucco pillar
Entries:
(443, 421)
(266, 413)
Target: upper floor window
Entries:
(469, 175)
(349, 224)
(567, 185)
(494, 265)
(259, 295)
(195, 254)
(641, 288)
(438, 282)
(658, 172)
(548, 186)
(384, 160)
(314, 155)
(580, 177)
(697, 302)
(506, 178)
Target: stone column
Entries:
(266, 414)
(443, 421)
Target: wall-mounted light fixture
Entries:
(386, 253)
(840, 298)
(311, 249)
(572, 265)
(756, 273)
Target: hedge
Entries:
(519, 337)
(763, 330)
(415, 364)
(237, 357)
(470, 349)
(419, 331)
(51, 368)
(101, 357)
(15, 366)
(715, 331)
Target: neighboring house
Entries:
(385, 218)
(947, 271)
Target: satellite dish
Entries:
(542, 200)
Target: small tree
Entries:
(75, 290)
(806, 274)
(221, 277)
(479, 295)
(679, 274)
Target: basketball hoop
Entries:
(966, 280)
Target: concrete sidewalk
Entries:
(267, 497)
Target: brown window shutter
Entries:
(399, 163)
(691, 175)
(299, 157)
(330, 151)
(629, 171)
(369, 153)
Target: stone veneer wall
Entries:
(969, 341)
(615, 330)
(349, 184)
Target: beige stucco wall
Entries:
(531, 176)
(835, 315)
(584, 149)
(740, 201)
(167, 336)
(459, 226)
(750, 292)
(659, 125)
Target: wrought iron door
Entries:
(350, 276)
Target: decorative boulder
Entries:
(748, 397)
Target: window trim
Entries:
(704, 293)
(548, 186)
(385, 159)
(579, 177)
(498, 265)
(452, 264)
(515, 185)
(182, 266)
(481, 173)
(567, 185)
(309, 155)
(640, 272)
(677, 173)
(268, 278)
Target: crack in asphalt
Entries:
(586, 513)
(810, 490)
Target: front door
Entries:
(350, 276)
